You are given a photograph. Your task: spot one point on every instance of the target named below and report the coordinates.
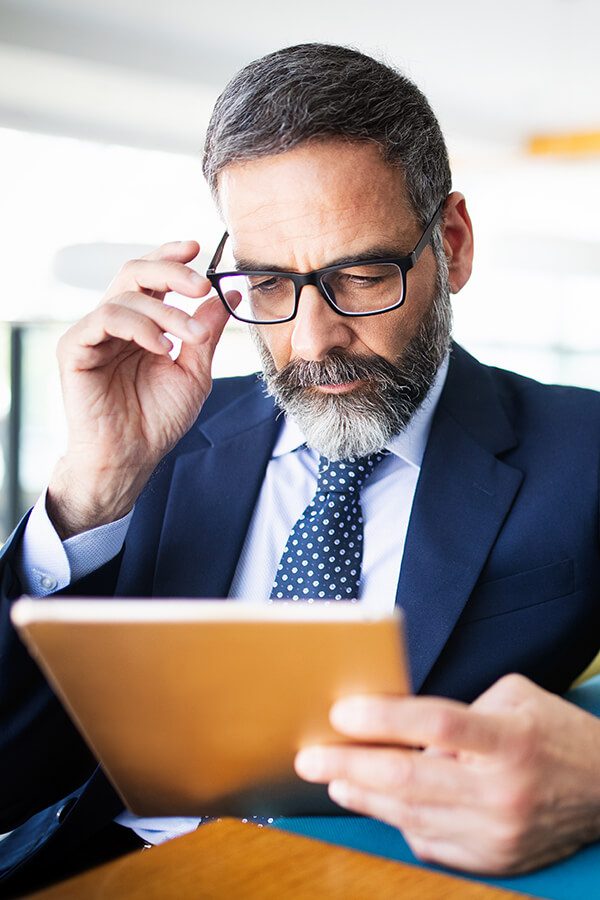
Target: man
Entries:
(478, 501)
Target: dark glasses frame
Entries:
(316, 277)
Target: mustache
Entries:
(336, 368)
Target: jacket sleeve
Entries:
(42, 756)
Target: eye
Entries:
(356, 280)
(363, 280)
(265, 285)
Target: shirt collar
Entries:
(409, 445)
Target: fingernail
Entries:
(349, 714)
(339, 792)
(198, 280)
(309, 763)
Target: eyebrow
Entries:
(246, 264)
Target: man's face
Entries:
(306, 209)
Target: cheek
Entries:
(278, 341)
(387, 335)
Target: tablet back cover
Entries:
(198, 716)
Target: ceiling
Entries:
(140, 72)
(145, 73)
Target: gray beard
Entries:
(361, 422)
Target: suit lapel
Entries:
(463, 496)
(211, 500)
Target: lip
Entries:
(342, 388)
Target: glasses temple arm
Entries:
(426, 236)
(218, 253)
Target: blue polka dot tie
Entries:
(323, 556)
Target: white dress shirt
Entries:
(46, 564)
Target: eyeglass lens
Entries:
(356, 289)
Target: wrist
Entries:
(79, 499)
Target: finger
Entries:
(453, 854)
(157, 278)
(114, 322)
(454, 836)
(509, 693)
(414, 822)
(234, 298)
(181, 251)
(407, 774)
(366, 802)
(418, 722)
(210, 319)
(444, 826)
(169, 318)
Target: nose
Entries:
(318, 329)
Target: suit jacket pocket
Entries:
(504, 595)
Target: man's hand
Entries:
(505, 785)
(127, 402)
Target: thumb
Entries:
(196, 357)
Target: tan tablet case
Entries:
(198, 707)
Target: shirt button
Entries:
(48, 583)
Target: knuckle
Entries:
(526, 741)
(174, 267)
(411, 818)
(61, 350)
(121, 306)
(422, 848)
(63, 343)
(129, 300)
(401, 773)
(443, 726)
(128, 267)
(112, 310)
(515, 802)
(172, 314)
(118, 314)
(507, 845)
(513, 686)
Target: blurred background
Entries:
(103, 107)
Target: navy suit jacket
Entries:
(501, 569)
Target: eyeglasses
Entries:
(365, 287)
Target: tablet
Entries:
(198, 707)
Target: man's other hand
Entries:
(505, 785)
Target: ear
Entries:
(458, 241)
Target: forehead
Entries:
(317, 202)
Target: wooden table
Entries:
(231, 859)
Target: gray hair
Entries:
(319, 91)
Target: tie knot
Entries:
(346, 476)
